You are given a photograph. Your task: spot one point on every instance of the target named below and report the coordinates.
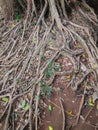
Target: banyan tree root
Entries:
(25, 45)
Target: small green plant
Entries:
(56, 67)
(51, 69)
(17, 16)
(49, 72)
(46, 90)
(24, 105)
(18, 80)
(20, 30)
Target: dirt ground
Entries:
(71, 102)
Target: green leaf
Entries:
(52, 67)
(50, 42)
(50, 64)
(20, 30)
(34, 40)
(5, 99)
(91, 104)
(24, 88)
(42, 57)
(48, 73)
(56, 67)
(23, 104)
(42, 83)
(26, 107)
(50, 128)
(50, 107)
(48, 91)
(45, 89)
(95, 66)
(39, 97)
(53, 31)
(17, 16)
(33, 82)
(17, 80)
